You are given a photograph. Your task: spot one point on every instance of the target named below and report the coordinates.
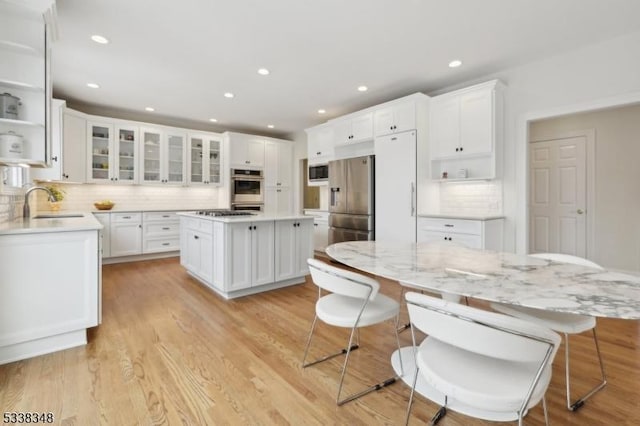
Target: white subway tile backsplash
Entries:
(479, 198)
(139, 197)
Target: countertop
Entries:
(56, 224)
(258, 217)
(116, 210)
(462, 216)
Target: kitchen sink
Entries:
(56, 216)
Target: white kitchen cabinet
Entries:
(68, 146)
(293, 245)
(278, 200)
(48, 305)
(278, 163)
(105, 221)
(479, 234)
(197, 248)
(162, 156)
(160, 232)
(465, 132)
(205, 159)
(396, 176)
(396, 118)
(249, 254)
(353, 129)
(320, 229)
(126, 234)
(278, 197)
(320, 144)
(25, 56)
(113, 152)
(246, 151)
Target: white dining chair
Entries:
(353, 302)
(565, 323)
(485, 364)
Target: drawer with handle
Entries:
(165, 229)
(161, 245)
(463, 226)
(126, 217)
(160, 216)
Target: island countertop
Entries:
(254, 217)
(54, 222)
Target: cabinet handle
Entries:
(319, 152)
(315, 224)
(457, 149)
(448, 225)
(140, 226)
(165, 215)
(165, 244)
(413, 191)
(54, 158)
(165, 229)
(461, 148)
(126, 217)
(196, 237)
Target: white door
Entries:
(238, 252)
(476, 117)
(557, 209)
(304, 246)
(445, 126)
(396, 187)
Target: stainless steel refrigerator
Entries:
(351, 199)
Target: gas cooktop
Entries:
(218, 213)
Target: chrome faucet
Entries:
(26, 211)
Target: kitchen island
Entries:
(241, 255)
(50, 283)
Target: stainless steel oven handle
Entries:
(249, 178)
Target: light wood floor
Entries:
(169, 351)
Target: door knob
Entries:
(579, 211)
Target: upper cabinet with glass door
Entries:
(162, 154)
(205, 159)
(112, 153)
(25, 90)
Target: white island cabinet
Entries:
(50, 286)
(241, 255)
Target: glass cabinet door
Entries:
(214, 161)
(175, 158)
(196, 148)
(127, 155)
(100, 138)
(151, 157)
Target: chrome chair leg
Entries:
(546, 413)
(580, 401)
(370, 389)
(324, 358)
(395, 329)
(413, 389)
(439, 414)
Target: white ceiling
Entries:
(181, 56)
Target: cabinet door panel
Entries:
(197, 160)
(404, 117)
(151, 155)
(271, 169)
(445, 123)
(238, 246)
(175, 163)
(342, 132)
(476, 117)
(286, 249)
(74, 148)
(304, 246)
(263, 253)
(99, 156)
(362, 127)
(191, 247)
(206, 258)
(255, 152)
(125, 155)
(383, 121)
(126, 239)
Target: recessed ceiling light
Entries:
(93, 85)
(455, 64)
(263, 71)
(229, 95)
(150, 109)
(362, 88)
(321, 111)
(271, 126)
(99, 39)
(213, 120)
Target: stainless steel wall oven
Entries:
(247, 189)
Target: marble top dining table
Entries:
(497, 276)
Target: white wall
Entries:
(617, 180)
(598, 75)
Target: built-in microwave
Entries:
(318, 174)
